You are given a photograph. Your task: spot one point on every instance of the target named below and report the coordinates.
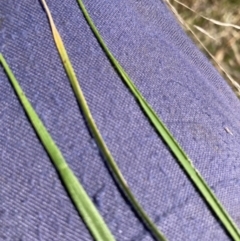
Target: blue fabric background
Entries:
(177, 80)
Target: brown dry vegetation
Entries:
(221, 41)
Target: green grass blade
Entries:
(180, 155)
(97, 135)
(83, 203)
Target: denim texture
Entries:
(176, 79)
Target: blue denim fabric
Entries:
(177, 80)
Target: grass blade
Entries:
(97, 135)
(187, 27)
(163, 131)
(83, 203)
(210, 19)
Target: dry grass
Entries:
(220, 40)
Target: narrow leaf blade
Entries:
(97, 135)
(82, 201)
(163, 131)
